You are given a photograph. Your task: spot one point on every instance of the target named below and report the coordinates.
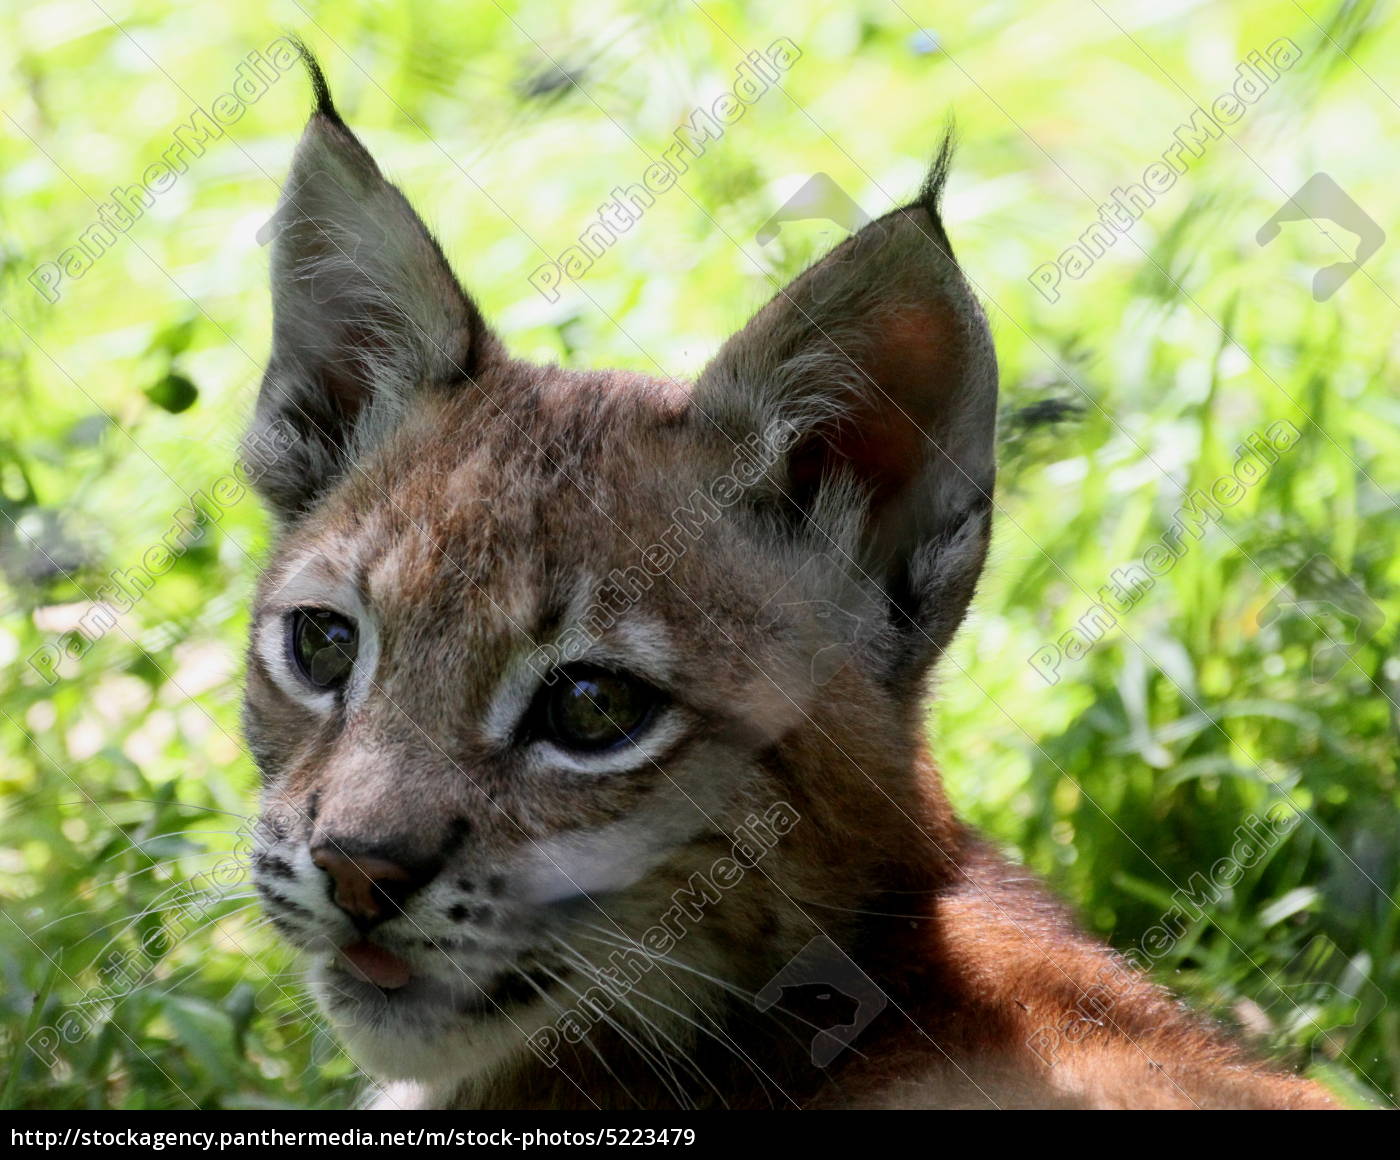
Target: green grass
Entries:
(124, 782)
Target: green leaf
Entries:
(174, 393)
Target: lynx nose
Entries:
(368, 887)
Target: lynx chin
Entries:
(702, 858)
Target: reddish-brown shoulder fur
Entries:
(1010, 1003)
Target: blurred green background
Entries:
(131, 956)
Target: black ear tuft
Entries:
(319, 90)
(367, 313)
(931, 192)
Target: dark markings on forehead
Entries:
(494, 508)
(553, 432)
(467, 597)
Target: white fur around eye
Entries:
(271, 639)
(514, 698)
(638, 646)
(312, 586)
(642, 751)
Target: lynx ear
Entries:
(365, 311)
(881, 356)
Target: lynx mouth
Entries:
(376, 964)
(365, 982)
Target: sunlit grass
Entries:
(124, 782)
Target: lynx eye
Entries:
(593, 709)
(322, 645)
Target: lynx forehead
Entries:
(589, 706)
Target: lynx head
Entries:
(559, 676)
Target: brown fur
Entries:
(459, 501)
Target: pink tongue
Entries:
(376, 965)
